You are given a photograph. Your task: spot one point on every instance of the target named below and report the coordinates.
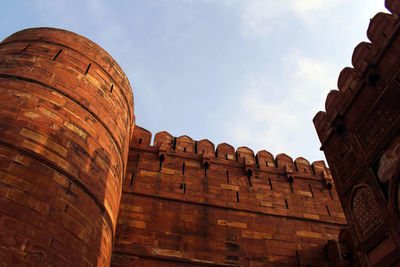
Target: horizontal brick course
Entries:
(182, 213)
(64, 139)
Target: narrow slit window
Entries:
(112, 87)
(249, 174)
(162, 158)
(270, 183)
(287, 205)
(226, 156)
(206, 165)
(184, 149)
(227, 176)
(58, 53)
(195, 147)
(183, 187)
(291, 180)
(183, 168)
(237, 197)
(174, 144)
(312, 193)
(140, 140)
(132, 177)
(327, 209)
(87, 69)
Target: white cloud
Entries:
(276, 116)
(308, 78)
(260, 17)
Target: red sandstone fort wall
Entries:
(359, 133)
(66, 118)
(185, 202)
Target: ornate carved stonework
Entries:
(366, 211)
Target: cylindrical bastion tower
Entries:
(66, 118)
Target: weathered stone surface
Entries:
(178, 212)
(66, 118)
(360, 138)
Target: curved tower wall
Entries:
(66, 118)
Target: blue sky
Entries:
(247, 72)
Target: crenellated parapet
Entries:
(371, 61)
(369, 87)
(230, 204)
(244, 157)
(182, 156)
(359, 132)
